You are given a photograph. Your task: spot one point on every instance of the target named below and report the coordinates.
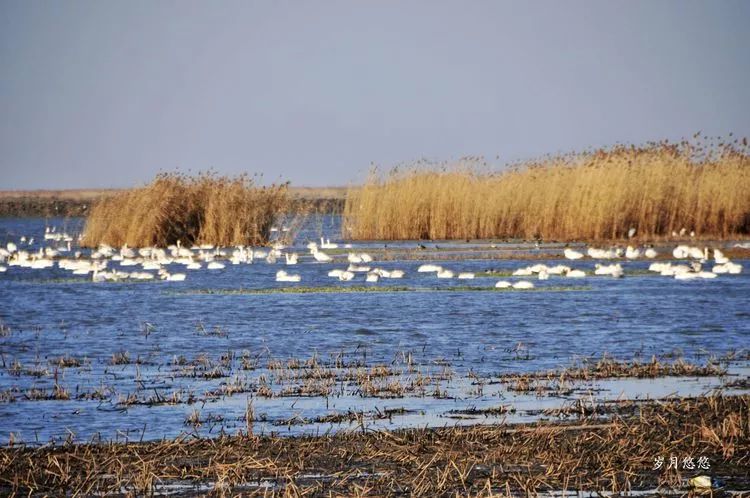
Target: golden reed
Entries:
(658, 189)
(205, 209)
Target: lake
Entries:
(147, 360)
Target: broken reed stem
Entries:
(249, 416)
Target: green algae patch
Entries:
(365, 290)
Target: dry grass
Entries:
(657, 189)
(616, 456)
(205, 209)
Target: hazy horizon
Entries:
(105, 95)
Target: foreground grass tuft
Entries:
(592, 455)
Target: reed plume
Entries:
(658, 188)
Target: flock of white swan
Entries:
(107, 263)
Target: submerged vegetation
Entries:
(193, 210)
(362, 289)
(658, 189)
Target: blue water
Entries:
(51, 313)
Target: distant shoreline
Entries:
(77, 202)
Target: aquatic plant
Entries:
(361, 289)
(658, 188)
(204, 209)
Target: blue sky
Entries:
(106, 94)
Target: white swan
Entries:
(503, 284)
(40, 264)
(428, 268)
(362, 257)
(346, 276)
(614, 269)
(632, 253)
(572, 254)
(321, 257)
(671, 270)
(355, 268)
(558, 269)
(239, 255)
(127, 252)
(141, 275)
(282, 276)
(576, 274)
(445, 273)
(729, 267)
(291, 258)
(215, 265)
(522, 284)
(595, 253)
(174, 277)
(697, 253)
(151, 265)
(465, 275)
(372, 277)
(719, 257)
(659, 267)
(389, 274)
(696, 273)
(681, 252)
(327, 244)
(523, 272)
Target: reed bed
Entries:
(658, 189)
(204, 209)
(613, 456)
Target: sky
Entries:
(100, 94)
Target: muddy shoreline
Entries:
(617, 455)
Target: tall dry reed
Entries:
(205, 209)
(657, 189)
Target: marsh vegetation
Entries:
(658, 189)
(205, 209)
